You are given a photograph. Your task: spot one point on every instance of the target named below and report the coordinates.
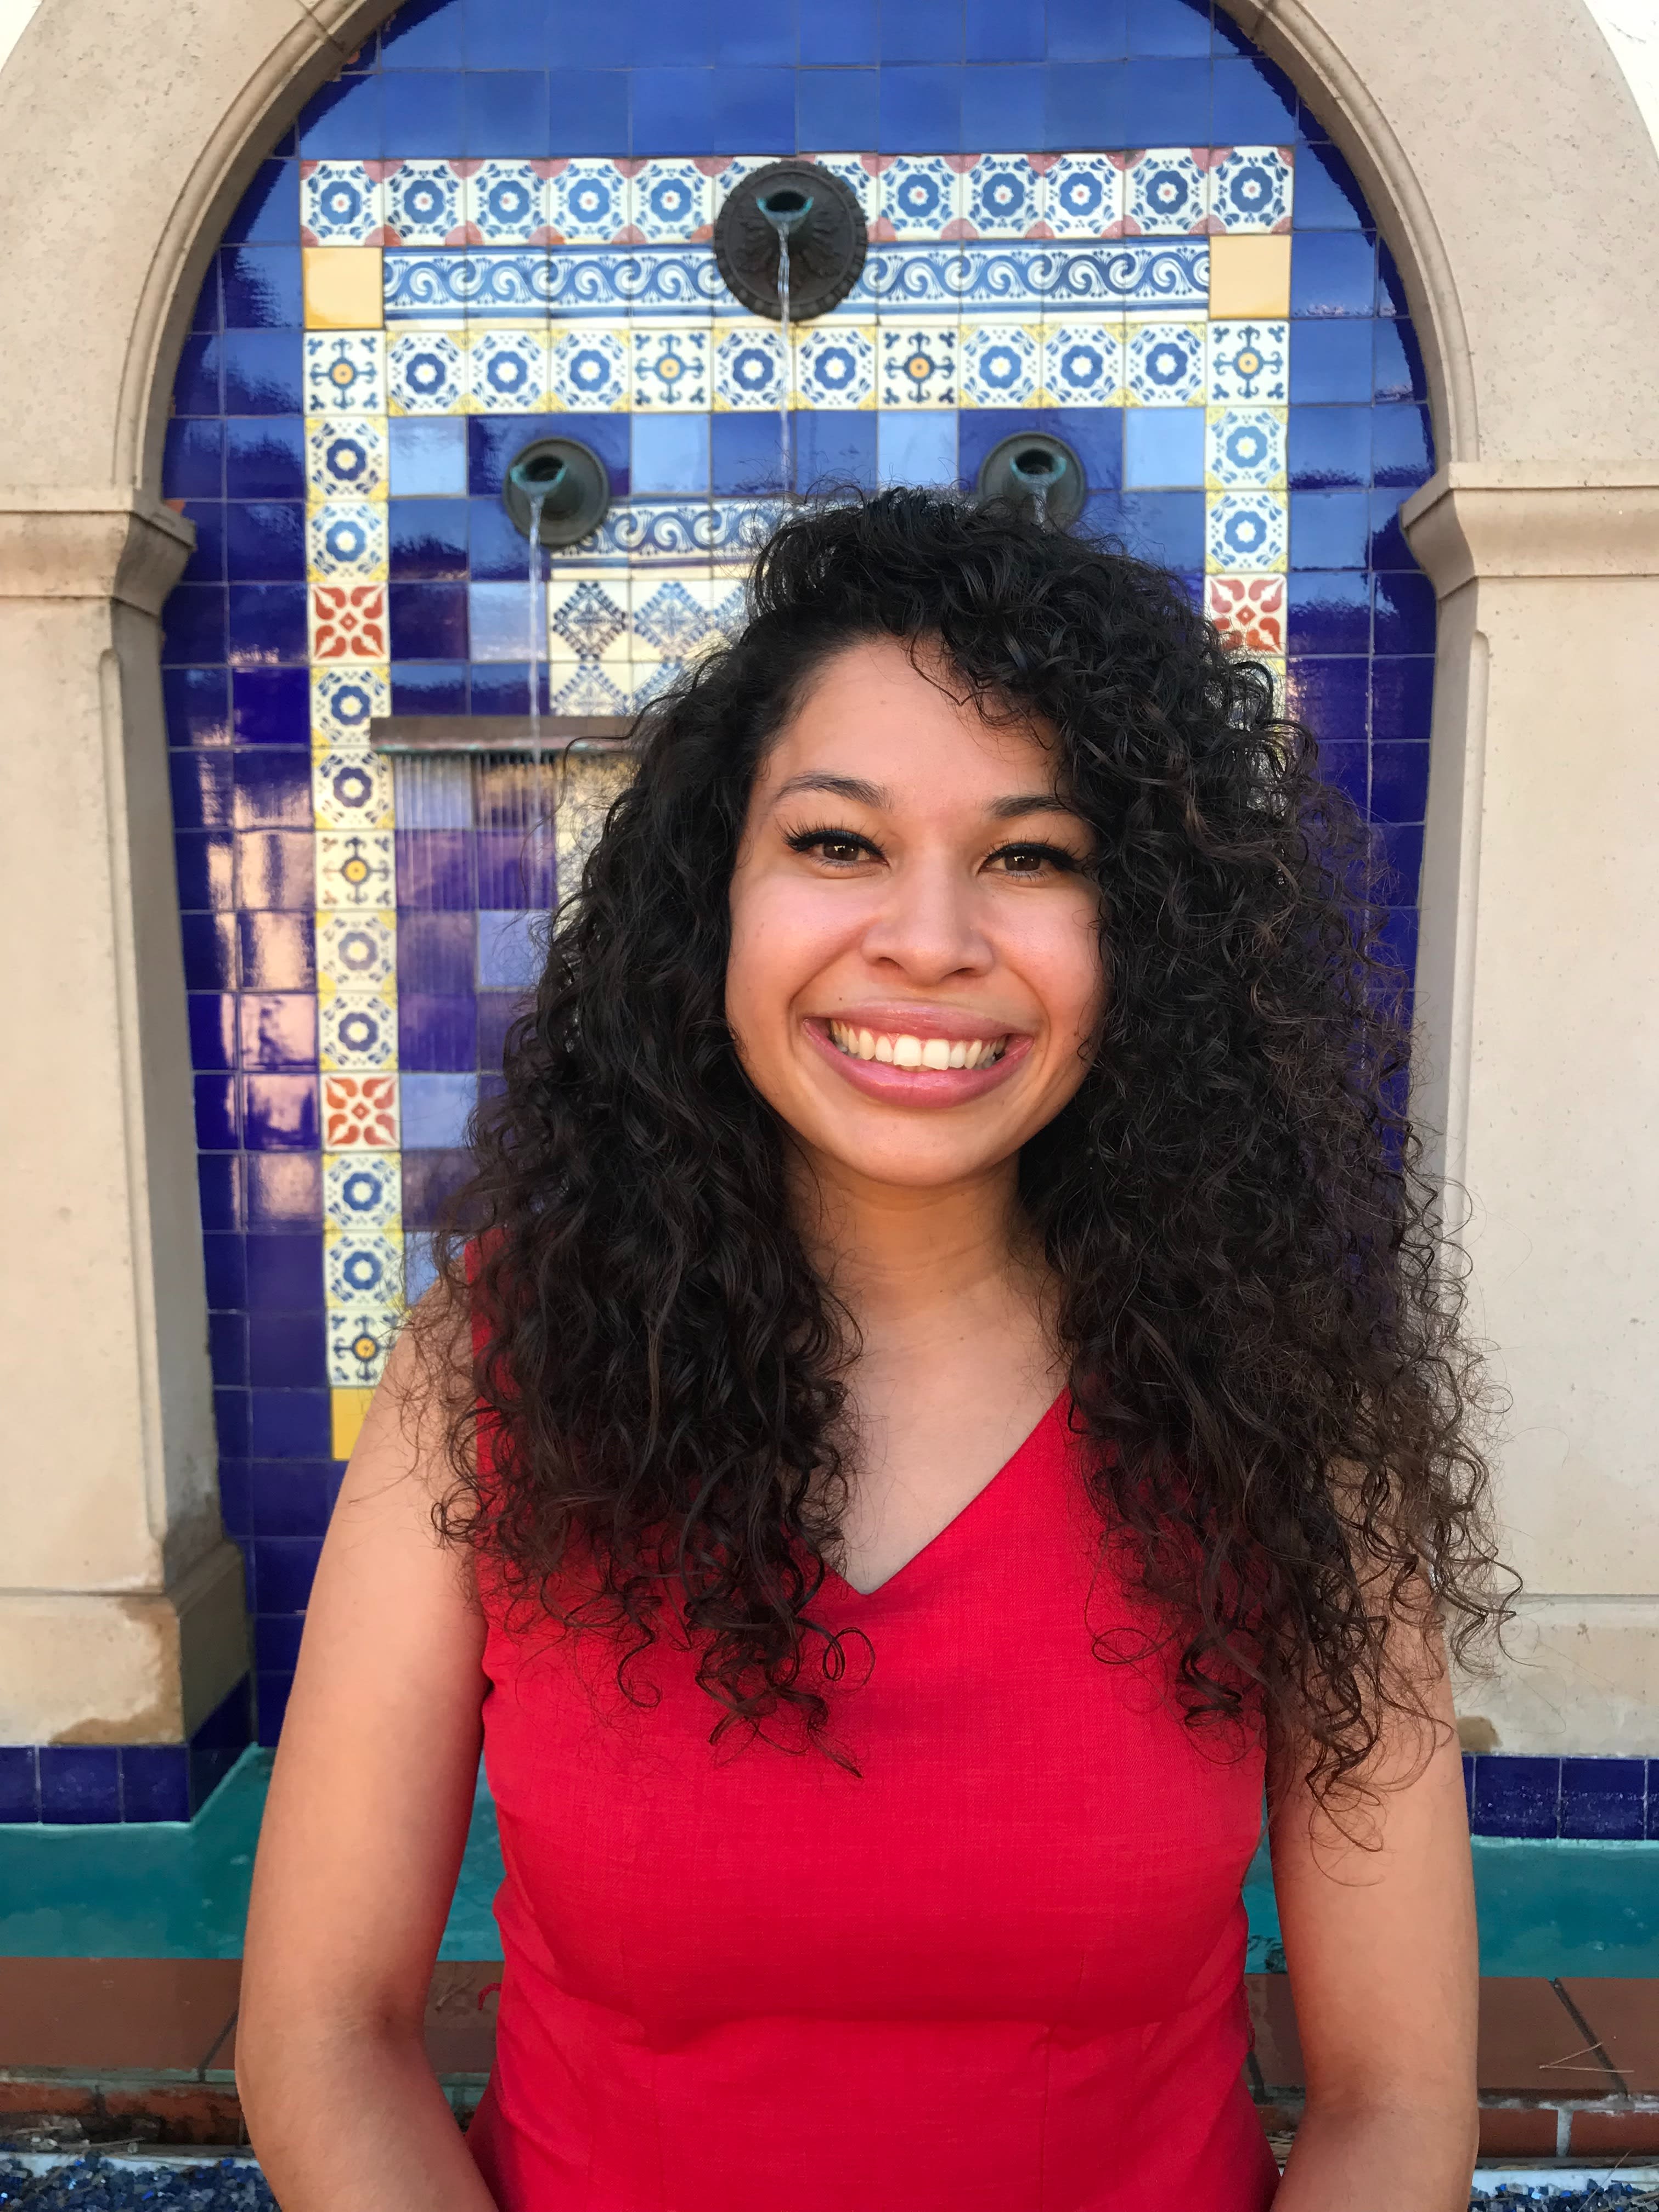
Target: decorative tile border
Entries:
(1607, 1800)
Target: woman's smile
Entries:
(917, 1057)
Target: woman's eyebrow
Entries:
(839, 787)
(1027, 802)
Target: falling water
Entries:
(1040, 502)
(786, 469)
(538, 497)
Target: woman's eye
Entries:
(840, 848)
(1034, 861)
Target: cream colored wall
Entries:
(1509, 164)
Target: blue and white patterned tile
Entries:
(671, 201)
(1110, 275)
(584, 687)
(588, 368)
(356, 869)
(730, 530)
(1082, 364)
(359, 1339)
(587, 618)
(346, 371)
(346, 539)
(586, 201)
(1250, 189)
(341, 203)
(426, 372)
(1164, 363)
(835, 365)
(351, 791)
(1247, 361)
(1083, 195)
(1244, 449)
(356, 1030)
(674, 616)
(918, 364)
(921, 198)
(1003, 196)
(425, 203)
(1165, 193)
(362, 1267)
(357, 952)
(651, 678)
(671, 366)
(346, 458)
(749, 367)
(1246, 532)
(363, 1190)
(507, 372)
(506, 202)
(1000, 364)
(860, 172)
(344, 703)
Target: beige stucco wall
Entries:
(1509, 164)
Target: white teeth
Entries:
(936, 1052)
(866, 1045)
(885, 1049)
(959, 1055)
(907, 1052)
(971, 1057)
(913, 1052)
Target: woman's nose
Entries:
(928, 924)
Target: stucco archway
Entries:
(1509, 168)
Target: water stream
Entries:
(786, 458)
(538, 617)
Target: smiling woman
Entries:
(946, 1294)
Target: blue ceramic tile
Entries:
(264, 459)
(260, 288)
(1404, 620)
(268, 213)
(1402, 698)
(287, 1566)
(265, 541)
(1332, 272)
(1095, 435)
(234, 1506)
(423, 34)
(266, 624)
(498, 553)
(1330, 529)
(284, 1273)
(225, 1260)
(1328, 611)
(845, 33)
(1084, 103)
(1167, 100)
(202, 787)
(1169, 26)
(276, 951)
(437, 1035)
(428, 687)
(1399, 780)
(1397, 939)
(342, 122)
(274, 868)
(209, 947)
(921, 31)
(277, 1031)
(500, 618)
(193, 459)
(80, 1783)
(752, 34)
(439, 798)
(271, 1693)
(206, 564)
(754, 108)
(510, 955)
(998, 97)
(292, 1496)
(276, 1637)
(436, 952)
(271, 705)
(19, 1786)
(198, 702)
(1390, 287)
(154, 1782)
(921, 109)
(196, 383)
(211, 1018)
(502, 688)
(836, 107)
(284, 1193)
(421, 114)
(1401, 445)
(1253, 104)
(1328, 447)
(514, 870)
(1162, 447)
(280, 1113)
(1088, 31)
(592, 115)
(206, 860)
(670, 452)
(429, 1180)
(230, 1421)
(507, 113)
(228, 1350)
(917, 446)
(675, 34)
(1516, 1797)
(264, 374)
(205, 315)
(1327, 197)
(427, 456)
(497, 1012)
(1347, 765)
(744, 452)
(584, 38)
(419, 1272)
(428, 622)
(500, 34)
(427, 538)
(434, 871)
(219, 1185)
(1402, 845)
(834, 448)
(290, 1423)
(671, 111)
(493, 440)
(194, 624)
(435, 1109)
(1166, 527)
(1004, 31)
(1330, 695)
(1388, 549)
(1398, 372)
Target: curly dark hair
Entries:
(1255, 1304)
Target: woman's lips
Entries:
(917, 1086)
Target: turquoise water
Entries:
(181, 1893)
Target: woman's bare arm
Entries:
(362, 1840)
(1380, 1941)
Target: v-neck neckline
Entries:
(919, 1559)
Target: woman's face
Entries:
(915, 980)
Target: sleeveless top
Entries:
(1000, 1969)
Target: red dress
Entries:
(999, 1970)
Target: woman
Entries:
(948, 1394)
